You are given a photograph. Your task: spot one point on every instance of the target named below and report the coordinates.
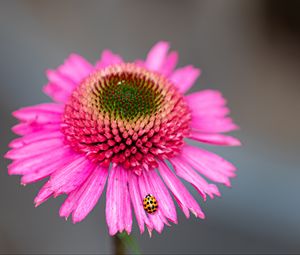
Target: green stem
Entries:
(119, 248)
(123, 242)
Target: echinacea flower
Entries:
(127, 125)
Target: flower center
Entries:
(128, 97)
(127, 115)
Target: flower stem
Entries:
(118, 244)
(123, 242)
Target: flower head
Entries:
(127, 115)
(124, 124)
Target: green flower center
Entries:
(129, 97)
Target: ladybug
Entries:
(150, 204)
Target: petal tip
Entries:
(76, 219)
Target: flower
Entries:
(124, 124)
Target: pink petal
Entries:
(41, 172)
(183, 170)
(183, 197)
(57, 93)
(216, 139)
(118, 209)
(25, 128)
(43, 113)
(44, 193)
(31, 164)
(69, 204)
(169, 64)
(157, 56)
(45, 107)
(66, 77)
(159, 60)
(184, 78)
(92, 190)
(140, 62)
(61, 81)
(76, 68)
(33, 137)
(159, 190)
(71, 176)
(215, 160)
(157, 219)
(137, 202)
(108, 58)
(205, 99)
(35, 148)
(209, 164)
(212, 124)
(209, 111)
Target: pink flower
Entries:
(124, 124)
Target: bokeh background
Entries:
(250, 50)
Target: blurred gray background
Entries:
(250, 50)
